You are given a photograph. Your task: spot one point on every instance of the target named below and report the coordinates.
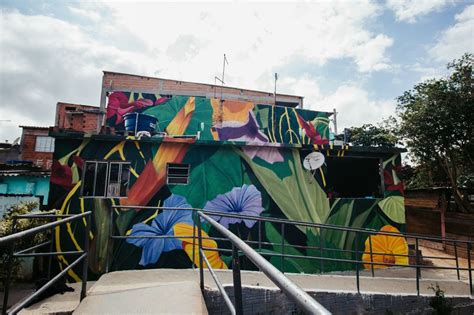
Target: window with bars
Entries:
(177, 174)
(105, 179)
(44, 144)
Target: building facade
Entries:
(230, 155)
(78, 117)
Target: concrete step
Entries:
(140, 292)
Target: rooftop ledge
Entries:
(193, 140)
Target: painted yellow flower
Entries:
(231, 111)
(385, 246)
(183, 229)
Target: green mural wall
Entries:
(247, 160)
(223, 120)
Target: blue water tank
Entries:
(137, 122)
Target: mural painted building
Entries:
(233, 155)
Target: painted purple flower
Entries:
(251, 134)
(162, 224)
(245, 200)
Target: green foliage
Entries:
(439, 303)
(394, 208)
(214, 172)
(436, 123)
(369, 135)
(6, 228)
(297, 195)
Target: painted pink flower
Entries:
(118, 105)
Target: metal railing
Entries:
(355, 254)
(9, 243)
(292, 290)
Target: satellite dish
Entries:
(313, 161)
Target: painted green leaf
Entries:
(101, 240)
(341, 213)
(329, 251)
(212, 173)
(167, 111)
(394, 208)
(262, 114)
(298, 196)
(202, 114)
(289, 264)
(360, 219)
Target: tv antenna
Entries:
(221, 80)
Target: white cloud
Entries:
(256, 37)
(88, 14)
(457, 39)
(356, 107)
(44, 59)
(411, 10)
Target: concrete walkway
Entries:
(161, 291)
(176, 291)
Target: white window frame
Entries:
(44, 144)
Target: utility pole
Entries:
(335, 121)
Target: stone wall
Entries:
(271, 301)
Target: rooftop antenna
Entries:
(275, 92)
(216, 78)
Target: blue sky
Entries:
(355, 56)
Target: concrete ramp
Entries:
(143, 292)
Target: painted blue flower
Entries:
(245, 200)
(162, 224)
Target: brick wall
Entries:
(266, 301)
(77, 117)
(125, 82)
(27, 147)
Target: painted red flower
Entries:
(118, 105)
(311, 132)
(61, 175)
(390, 182)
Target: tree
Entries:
(436, 123)
(370, 135)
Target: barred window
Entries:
(105, 179)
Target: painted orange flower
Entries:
(183, 229)
(384, 246)
(153, 177)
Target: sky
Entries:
(354, 56)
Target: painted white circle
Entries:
(313, 161)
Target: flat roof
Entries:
(207, 84)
